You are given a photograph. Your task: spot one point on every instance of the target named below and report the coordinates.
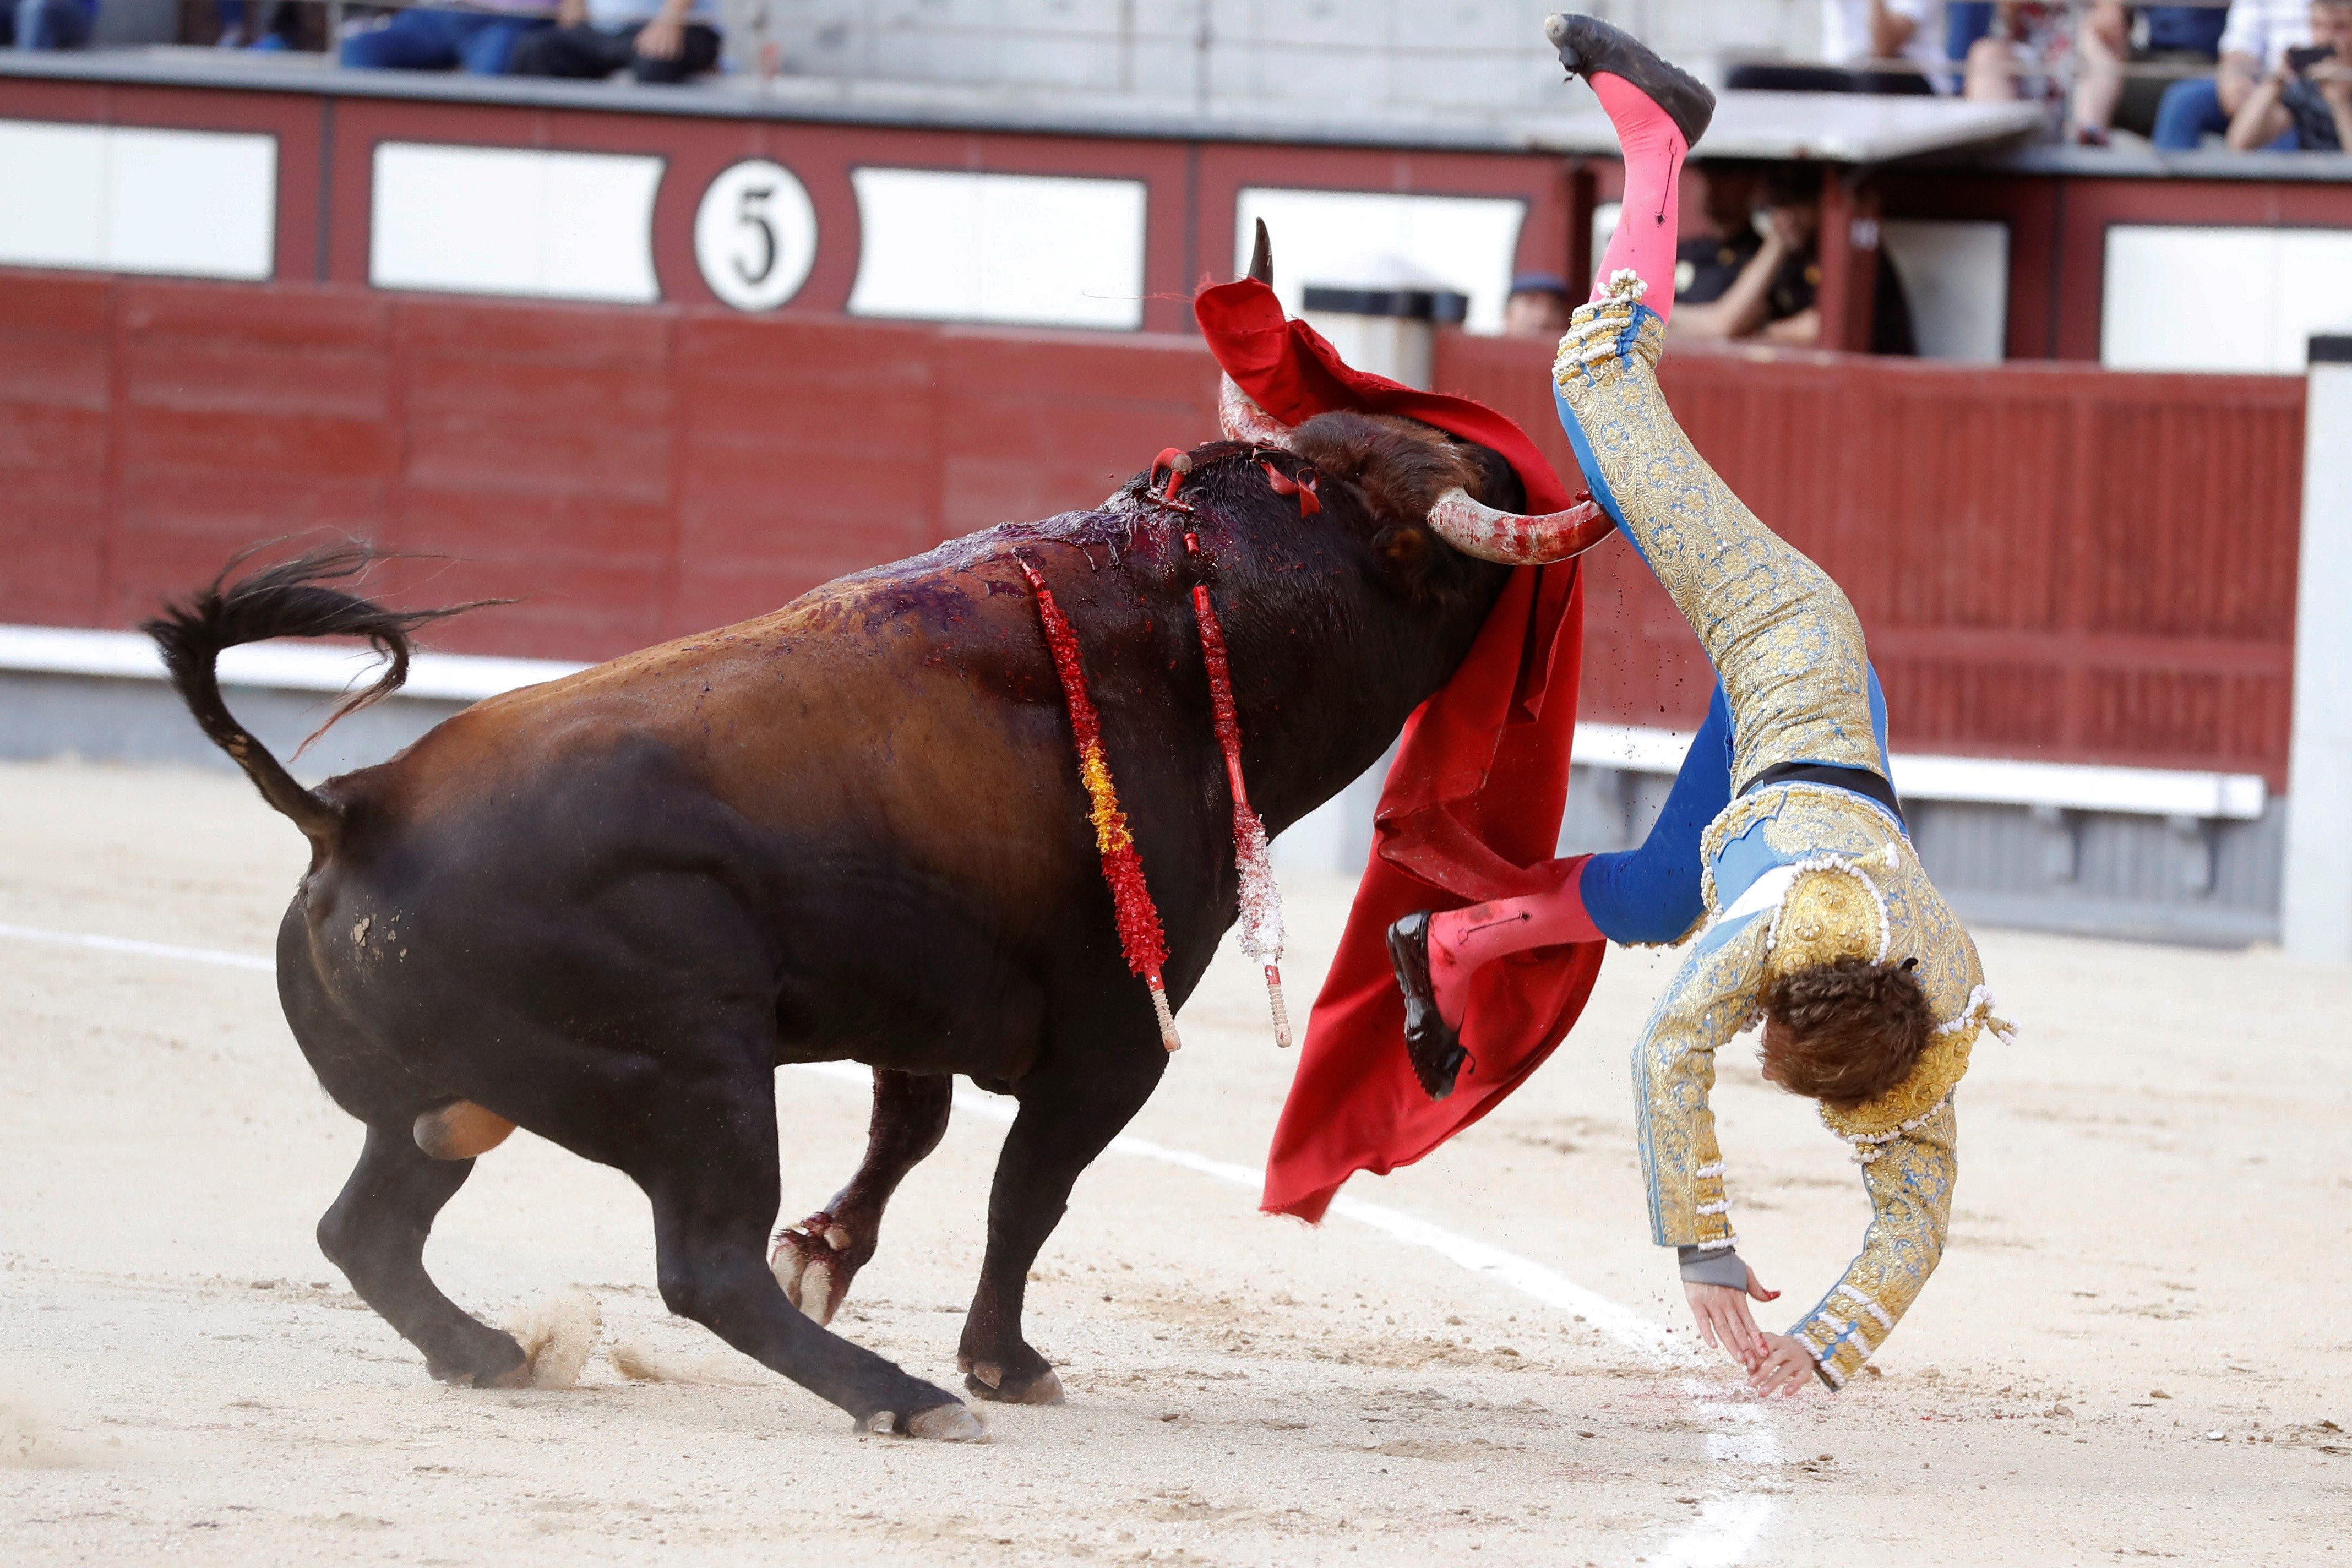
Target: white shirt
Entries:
(1845, 35)
(2266, 29)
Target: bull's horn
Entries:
(1242, 420)
(1262, 256)
(1476, 529)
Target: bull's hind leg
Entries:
(816, 1258)
(710, 1169)
(1092, 1082)
(375, 1233)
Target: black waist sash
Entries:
(1861, 781)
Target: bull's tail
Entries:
(291, 599)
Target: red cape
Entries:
(1472, 800)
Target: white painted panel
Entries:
(1956, 275)
(52, 194)
(1040, 250)
(510, 220)
(195, 204)
(1341, 237)
(2221, 298)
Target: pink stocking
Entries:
(1655, 149)
(1461, 940)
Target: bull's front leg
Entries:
(1089, 1086)
(815, 1260)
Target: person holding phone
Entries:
(2305, 101)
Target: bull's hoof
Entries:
(811, 1261)
(950, 1423)
(501, 1366)
(1042, 1389)
(947, 1423)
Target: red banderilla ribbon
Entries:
(1261, 900)
(1140, 936)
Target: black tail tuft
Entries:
(291, 599)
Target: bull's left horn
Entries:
(1242, 420)
(1476, 529)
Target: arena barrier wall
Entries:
(2052, 561)
(2059, 564)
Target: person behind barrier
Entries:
(2183, 37)
(662, 41)
(1776, 293)
(2305, 102)
(1861, 40)
(2254, 41)
(1781, 849)
(47, 24)
(478, 36)
(1537, 306)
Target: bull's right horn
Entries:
(1476, 529)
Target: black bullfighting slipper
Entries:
(1433, 1049)
(1588, 44)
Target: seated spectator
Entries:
(2254, 41)
(1537, 306)
(47, 24)
(280, 22)
(2188, 37)
(2025, 54)
(2306, 102)
(1774, 298)
(655, 40)
(479, 35)
(1717, 249)
(1855, 36)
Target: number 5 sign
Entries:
(755, 235)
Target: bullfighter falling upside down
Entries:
(1781, 845)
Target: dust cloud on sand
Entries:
(2134, 1346)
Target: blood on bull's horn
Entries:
(1476, 529)
(1240, 418)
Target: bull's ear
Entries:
(1499, 483)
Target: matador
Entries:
(1782, 853)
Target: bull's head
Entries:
(1458, 517)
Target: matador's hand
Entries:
(1724, 1322)
(1786, 1368)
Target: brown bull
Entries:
(605, 909)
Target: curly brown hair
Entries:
(1845, 1032)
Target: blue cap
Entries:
(1538, 283)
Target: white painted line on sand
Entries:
(1728, 1523)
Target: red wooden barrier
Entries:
(629, 474)
(2050, 562)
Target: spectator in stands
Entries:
(2186, 38)
(2025, 54)
(1717, 251)
(2254, 41)
(1537, 307)
(1855, 36)
(47, 24)
(2305, 101)
(480, 35)
(655, 40)
(1775, 295)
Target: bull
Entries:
(607, 908)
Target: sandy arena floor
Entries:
(2136, 1347)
